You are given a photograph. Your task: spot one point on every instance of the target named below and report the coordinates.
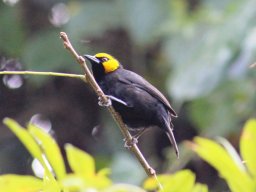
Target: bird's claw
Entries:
(129, 143)
(103, 103)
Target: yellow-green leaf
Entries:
(123, 188)
(73, 182)
(237, 179)
(50, 184)
(104, 172)
(27, 140)
(184, 180)
(248, 146)
(80, 162)
(17, 183)
(151, 183)
(200, 188)
(50, 149)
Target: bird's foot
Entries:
(129, 143)
(104, 103)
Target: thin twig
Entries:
(90, 79)
(43, 74)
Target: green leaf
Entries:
(16, 183)
(200, 188)
(104, 172)
(184, 180)
(27, 140)
(80, 162)
(123, 188)
(248, 146)
(74, 182)
(237, 178)
(50, 184)
(151, 183)
(51, 150)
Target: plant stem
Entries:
(90, 79)
(43, 74)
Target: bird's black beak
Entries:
(92, 59)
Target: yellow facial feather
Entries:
(109, 63)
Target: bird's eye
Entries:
(104, 59)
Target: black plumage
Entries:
(138, 102)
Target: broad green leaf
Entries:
(232, 152)
(248, 146)
(80, 162)
(152, 184)
(123, 188)
(198, 187)
(75, 182)
(51, 150)
(26, 139)
(104, 172)
(237, 179)
(184, 180)
(16, 183)
(50, 184)
(72, 182)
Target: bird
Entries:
(139, 103)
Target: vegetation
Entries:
(84, 177)
(197, 53)
(239, 174)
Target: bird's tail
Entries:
(171, 137)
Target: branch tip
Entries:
(63, 36)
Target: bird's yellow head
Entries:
(103, 62)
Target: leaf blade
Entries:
(80, 162)
(14, 183)
(217, 156)
(51, 150)
(248, 146)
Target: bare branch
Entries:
(43, 74)
(90, 79)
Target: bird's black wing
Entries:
(130, 77)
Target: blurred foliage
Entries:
(208, 46)
(198, 51)
(239, 174)
(84, 176)
(181, 181)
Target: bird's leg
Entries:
(139, 133)
(104, 104)
(129, 143)
(110, 97)
(134, 139)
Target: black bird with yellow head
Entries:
(138, 102)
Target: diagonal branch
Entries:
(90, 79)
